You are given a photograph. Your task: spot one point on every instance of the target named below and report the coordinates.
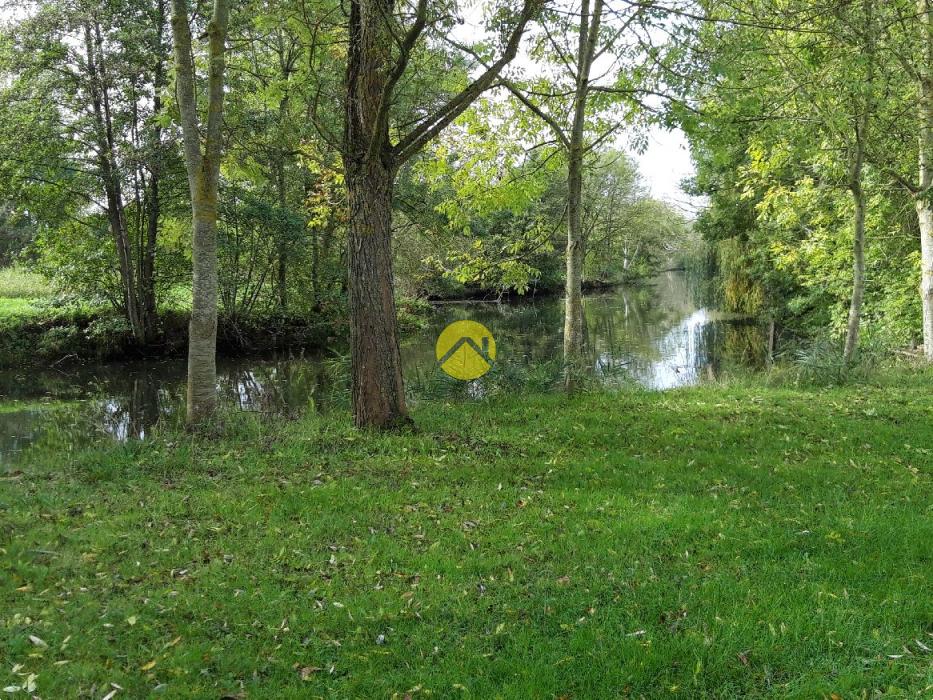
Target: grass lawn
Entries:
(19, 292)
(720, 542)
(16, 283)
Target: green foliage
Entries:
(499, 215)
(60, 341)
(774, 144)
(80, 259)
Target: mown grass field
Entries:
(717, 542)
(19, 293)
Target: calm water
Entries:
(660, 336)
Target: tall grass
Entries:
(17, 283)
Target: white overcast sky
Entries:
(664, 164)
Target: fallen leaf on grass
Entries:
(149, 666)
(307, 671)
(38, 642)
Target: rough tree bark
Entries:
(203, 168)
(371, 162)
(378, 392)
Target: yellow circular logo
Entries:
(465, 350)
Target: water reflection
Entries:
(661, 336)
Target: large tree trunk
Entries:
(923, 205)
(377, 388)
(370, 164)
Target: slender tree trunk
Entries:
(865, 108)
(858, 249)
(925, 218)
(923, 204)
(203, 180)
(282, 247)
(100, 104)
(202, 329)
(147, 293)
(574, 358)
(573, 297)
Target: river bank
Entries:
(53, 337)
(37, 332)
(604, 545)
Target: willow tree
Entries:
(203, 167)
(569, 128)
(385, 43)
(590, 52)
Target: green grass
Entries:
(17, 308)
(19, 292)
(718, 542)
(16, 283)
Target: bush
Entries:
(60, 341)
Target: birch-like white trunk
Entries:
(923, 204)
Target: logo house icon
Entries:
(465, 350)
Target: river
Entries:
(660, 336)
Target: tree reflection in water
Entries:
(661, 336)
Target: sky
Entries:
(664, 164)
